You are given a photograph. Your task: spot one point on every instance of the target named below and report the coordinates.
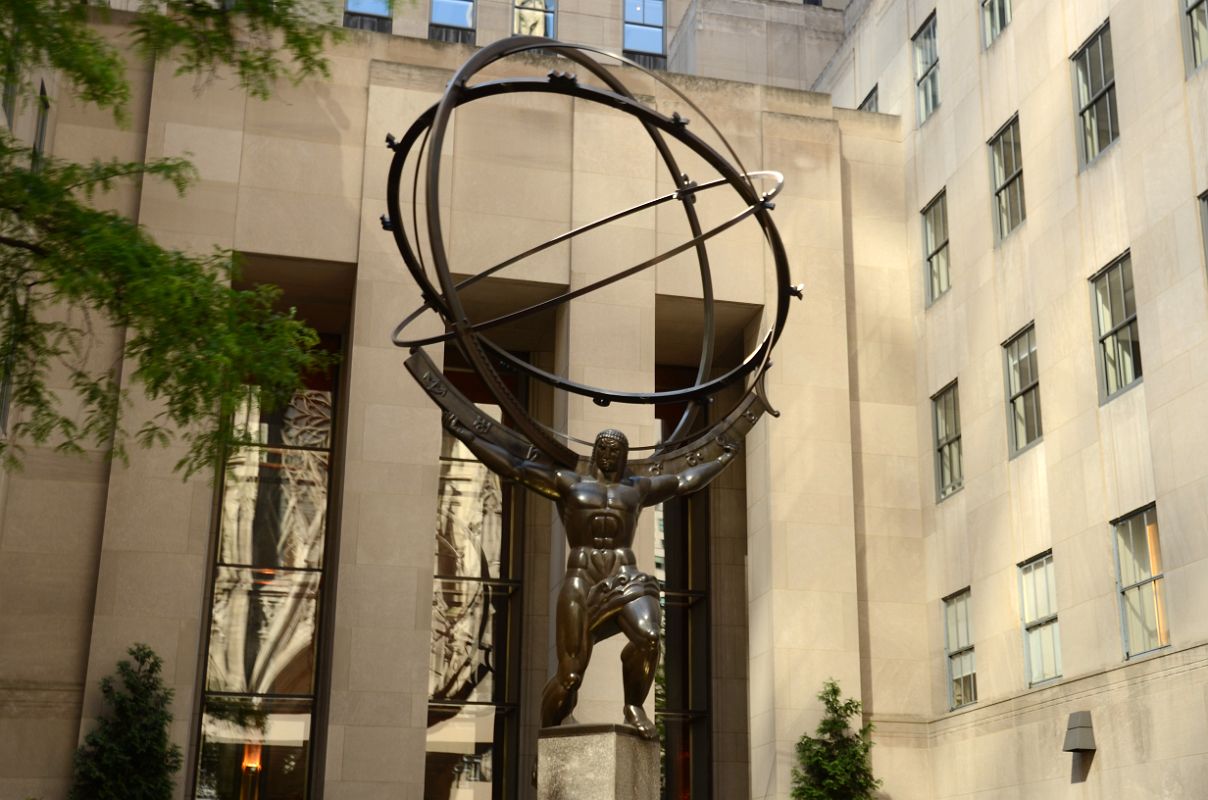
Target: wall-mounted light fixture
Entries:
(1079, 733)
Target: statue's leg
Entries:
(574, 651)
(639, 620)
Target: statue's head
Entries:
(611, 452)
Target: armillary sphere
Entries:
(424, 141)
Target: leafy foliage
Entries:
(130, 756)
(192, 341)
(834, 764)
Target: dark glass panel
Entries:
(253, 749)
(262, 631)
(274, 508)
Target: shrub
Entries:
(834, 764)
(130, 756)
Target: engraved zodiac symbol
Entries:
(434, 385)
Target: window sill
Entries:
(1146, 654)
(1088, 163)
(941, 498)
(921, 124)
(1016, 453)
(932, 301)
(1002, 239)
(1107, 398)
(1042, 684)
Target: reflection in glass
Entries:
(253, 749)
(262, 631)
(469, 521)
(469, 640)
(1116, 314)
(305, 422)
(460, 762)
(274, 508)
(1139, 557)
(533, 18)
(454, 13)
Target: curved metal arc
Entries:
(447, 303)
(539, 307)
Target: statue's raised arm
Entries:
(497, 458)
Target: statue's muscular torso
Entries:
(601, 519)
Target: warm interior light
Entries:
(251, 757)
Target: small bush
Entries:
(834, 764)
(130, 755)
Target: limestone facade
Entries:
(829, 553)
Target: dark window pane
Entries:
(305, 422)
(470, 623)
(274, 508)
(262, 632)
(464, 751)
(253, 748)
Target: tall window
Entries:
(1038, 601)
(1023, 389)
(996, 15)
(1007, 160)
(39, 144)
(368, 15)
(927, 69)
(683, 683)
(262, 652)
(1116, 319)
(870, 101)
(1139, 561)
(1196, 21)
(452, 21)
(958, 644)
(533, 17)
(1096, 79)
(1204, 223)
(948, 470)
(474, 675)
(644, 32)
(935, 242)
(12, 81)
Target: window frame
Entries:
(1203, 204)
(931, 71)
(1013, 445)
(1008, 180)
(944, 491)
(662, 29)
(459, 34)
(324, 573)
(989, 35)
(871, 99)
(550, 11)
(1105, 395)
(379, 23)
(1038, 622)
(1187, 9)
(1107, 92)
(1154, 578)
(964, 595)
(929, 253)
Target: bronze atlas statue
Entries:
(599, 497)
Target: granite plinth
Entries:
(596, 762)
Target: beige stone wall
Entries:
(768, 42)
(1097, 460)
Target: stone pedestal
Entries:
(596, 762)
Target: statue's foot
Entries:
(636, 717)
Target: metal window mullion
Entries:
(1096, 97)
(927, 73)
(504, 583)
(1011, 178)
(261, 568)
(1126, 323)
(1139, 583)
(260, 695)
(1040, 622)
